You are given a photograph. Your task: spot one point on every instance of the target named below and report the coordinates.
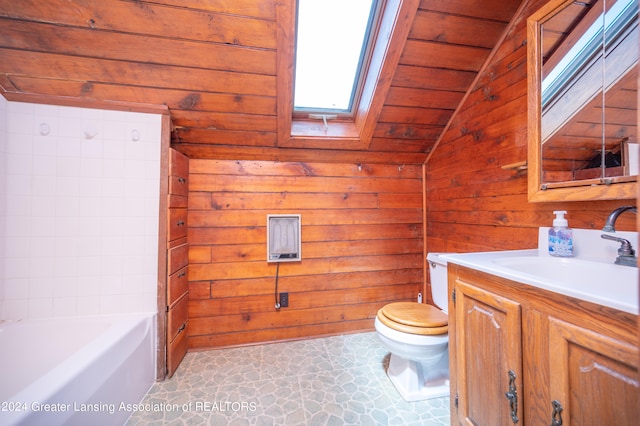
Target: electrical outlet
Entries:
(284, 300)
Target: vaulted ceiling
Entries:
(213, 63)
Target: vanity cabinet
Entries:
(527, 356)
(177, 261)
(595, 377)
(485, 346)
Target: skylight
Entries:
(588, 48)
(331, 50)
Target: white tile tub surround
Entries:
(3, 173)
(79, 207)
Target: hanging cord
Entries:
(276, 289)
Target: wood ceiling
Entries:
(213, 64)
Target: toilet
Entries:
(416, 335)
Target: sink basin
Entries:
(606, 284)
(594, 280)
(571, 272)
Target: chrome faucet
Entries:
(609, 225)
(626, 254)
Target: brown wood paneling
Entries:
(224, 121)
(247, 252)
(133, 73)
(430, 54)
(309, 283)
(472, 203)
(350, 322)
(268, 168)
(256, 234)
(497, 10)
(429, 25)
(179, 99)
(149, 19)
(432, 78)
(421, 98)
(362, 247)
(257, 9)
(129, 47)
(214, 65)
(301, 302)
(342, 264)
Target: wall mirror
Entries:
(583, 98)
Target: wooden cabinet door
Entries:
(487, 343)
(594, 377)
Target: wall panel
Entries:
(472, 202)
(362, 247)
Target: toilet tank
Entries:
(439, 285)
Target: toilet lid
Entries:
(414, 318)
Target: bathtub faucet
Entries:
(609, 225)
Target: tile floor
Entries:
(336, 380)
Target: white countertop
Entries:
(603, 283)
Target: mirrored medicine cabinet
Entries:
(582, 64)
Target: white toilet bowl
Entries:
(418, 342)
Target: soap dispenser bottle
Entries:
(560, 236)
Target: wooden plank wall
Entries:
(362, 247)
(472, 203)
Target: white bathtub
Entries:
(81, 370)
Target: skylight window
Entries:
(332, 46)
(615, 23)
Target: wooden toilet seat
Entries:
(414, 318)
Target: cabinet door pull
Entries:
(182, 327)
(556, 415)
(180, 223)
(181, 180)
(182, 274)
(512, 396)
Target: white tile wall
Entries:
(79, 211)
(3, 173)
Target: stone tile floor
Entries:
(338, 380)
